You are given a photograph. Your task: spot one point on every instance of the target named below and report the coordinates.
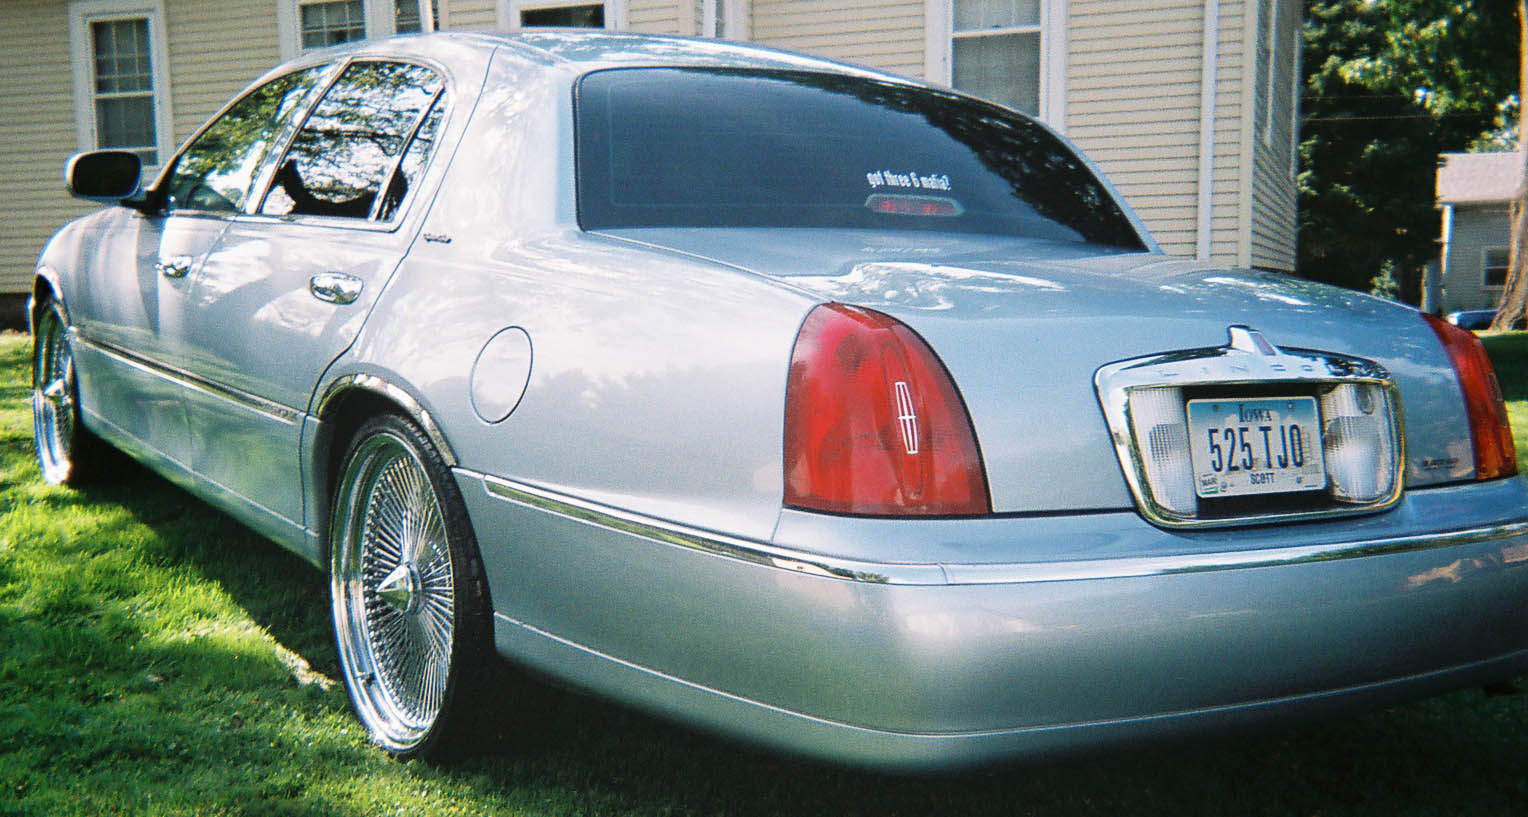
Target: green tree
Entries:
(1390, 84)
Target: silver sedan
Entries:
(808, 404)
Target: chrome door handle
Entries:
(176, 267)
(335, 287)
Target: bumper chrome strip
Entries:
(763, 553)
(253, 402)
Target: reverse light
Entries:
(874, 424)
(1161, 432)
(1495, 453)
(1359, 442)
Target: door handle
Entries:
(176, 267)
(335, 287)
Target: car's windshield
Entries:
(690, 147)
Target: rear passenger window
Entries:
(353, 156)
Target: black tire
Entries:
(67, 453)
(412, 617)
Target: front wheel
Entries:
(67, 453)
(410, 604)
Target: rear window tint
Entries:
(686, 147)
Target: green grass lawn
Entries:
(157, 658)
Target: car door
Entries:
(134, 323)
(287, 287)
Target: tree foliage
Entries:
(1390, 84)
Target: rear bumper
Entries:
(937, 663)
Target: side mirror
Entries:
(103, 175)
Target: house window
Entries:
(1494, 263)
(304, 25)
(408, 16)
(722, 19)
(331, 22)
(586, 15)
(121, 98)
(124, 86)
(995, 51)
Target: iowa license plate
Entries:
(1267, 445)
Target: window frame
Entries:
(82, 15)
(732, 19)
(507, 12)
(939, 53)
(378, 14)
(1486, 265)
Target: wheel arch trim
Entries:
(45, 279)
(394, 393)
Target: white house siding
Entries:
(883, 34)
(37, 120)
(470, 15)
(1273, 226)
(1474, 230)
(662, 16)
(207, 67)
(1229, 216)
(1132, 102)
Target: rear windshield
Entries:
(687, 147)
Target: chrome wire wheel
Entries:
(53, 397)
(395, 591)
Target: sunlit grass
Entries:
(157, 658)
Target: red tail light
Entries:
(873, 423)
(1495, 453)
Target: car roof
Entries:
(584, 50)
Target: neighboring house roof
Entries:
(1479, 178)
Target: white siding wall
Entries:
(1133, 80)
(37, 120)
(663, 16)
(1273, 226)
(1228, 220)
(1474, 230)
(883, 34)
(207, 66)
(472, 15)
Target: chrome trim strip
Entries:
(274, 410)
(761, 553)
(395, 393)
(668, 533)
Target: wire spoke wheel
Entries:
(54, 412)
(396, 589)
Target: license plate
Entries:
(1267, 445)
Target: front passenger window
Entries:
(345, 159)
(215, 171)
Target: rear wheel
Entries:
(66, 451)
(410, 605)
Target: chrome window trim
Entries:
(1248, 359)
(932, 574)
(253, 402)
